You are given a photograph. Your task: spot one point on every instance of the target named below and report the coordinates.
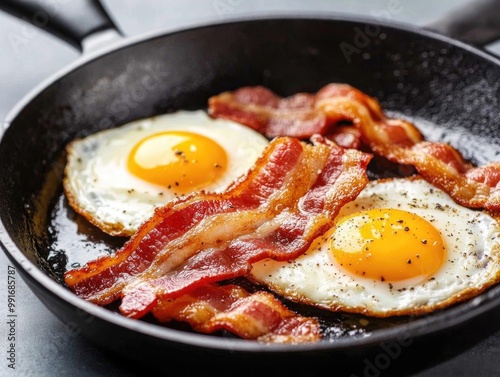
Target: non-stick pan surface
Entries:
(448, 88)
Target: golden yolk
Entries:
(181, 161)
(387, 245)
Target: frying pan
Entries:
(448, 87)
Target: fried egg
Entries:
(402, 247)
(117, 177)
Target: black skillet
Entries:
(449, 88)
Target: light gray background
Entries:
(45, 346)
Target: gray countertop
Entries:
(45, 347)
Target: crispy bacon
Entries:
(290, 179)
(397, 140)
(401, 142)
(190, 223)
(262, 110)
(296, 116)
(324, 180)
(259, 316)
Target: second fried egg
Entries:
(117, 177)
(403, 247)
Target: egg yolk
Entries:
(387, 245)
(181, 161)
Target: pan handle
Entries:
(70, 20)
(476, 22)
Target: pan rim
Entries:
(303, 16)
(427, 325)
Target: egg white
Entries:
(99, 185)
(472, 263)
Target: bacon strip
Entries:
(280, 179)
(286, 233)
(262, 110)
(397, 140)
(401, 142)
(180, 224)
(259, 108)
(229, 307)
